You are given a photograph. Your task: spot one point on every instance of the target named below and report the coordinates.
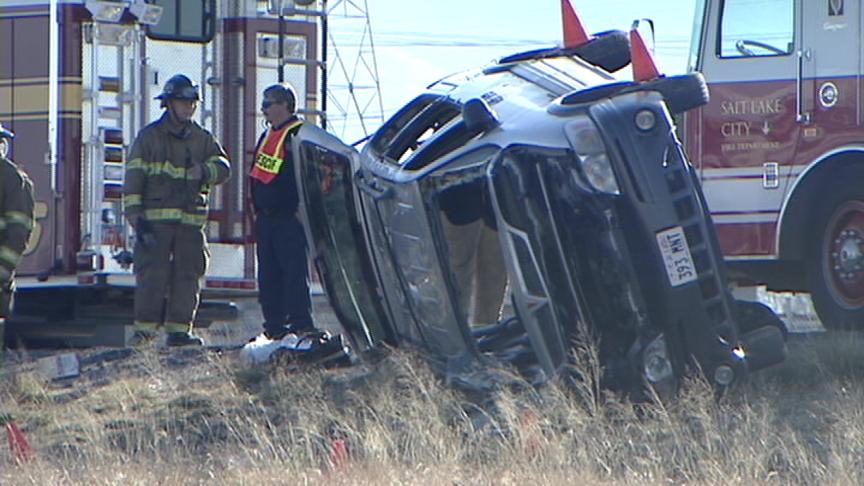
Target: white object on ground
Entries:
(261, 349)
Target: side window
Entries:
(428, 123)
(385, 135)
(751, 28)
(186, 20)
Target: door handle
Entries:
(800, 115)
(372, 188)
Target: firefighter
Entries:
(16, 222)
(171, 167)
(283, 287)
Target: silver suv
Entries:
(509, 211)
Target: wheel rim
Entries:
(843, 254)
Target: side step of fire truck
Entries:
(59, 316)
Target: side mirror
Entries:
(478, 116)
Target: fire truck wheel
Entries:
(681, 93)
(835, 258)
(607, 50)
(755, 315)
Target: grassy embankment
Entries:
(190, 418)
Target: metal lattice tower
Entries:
(354, 105)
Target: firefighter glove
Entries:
(145, 233)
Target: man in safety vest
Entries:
(171, 167)
(16, 222)
(283, 287)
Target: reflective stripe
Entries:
(132, 199)
(17, 217)
(160, 214)
(10, 256)
(174, 214)
(170, 170)
(213, 164)
(146, 325)
(193, 219)
(178, 327)
(135, 164)
(167, 169)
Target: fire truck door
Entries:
(748, 133)
(830, 62)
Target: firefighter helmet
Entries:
(280, 93)
(179, 87)
(6, 133)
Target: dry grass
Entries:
(199, 418)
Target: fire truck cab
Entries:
(77, 82)
(780, 146)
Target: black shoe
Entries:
(278, 333)
(183, 339)
(326, 350)
(143, 338)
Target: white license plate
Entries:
(676, 256)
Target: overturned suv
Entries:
(509, 212)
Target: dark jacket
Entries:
(157, 184)
(280, 196)
(16, 216)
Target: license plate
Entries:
(676, 256)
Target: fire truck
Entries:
(780, 146)
(77, 82)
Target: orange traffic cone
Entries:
(574, 33)
(339, 458)
(644, 67)
(18, 443)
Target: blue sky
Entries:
(420, 41)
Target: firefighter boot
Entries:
(183, 339)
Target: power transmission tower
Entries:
(353, 104)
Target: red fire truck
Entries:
(780, 147)
(77, 81)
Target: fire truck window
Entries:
(751, 28)
(184, 21)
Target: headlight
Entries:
(591, 153)
(598, 170)
(655, 359)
